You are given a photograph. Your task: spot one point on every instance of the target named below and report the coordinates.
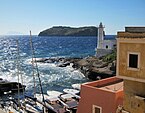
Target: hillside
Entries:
(69, 31)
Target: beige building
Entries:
(131, 68)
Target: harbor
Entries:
(72, 56)
(53, 78)
(19, 99)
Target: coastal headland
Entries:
(70, 31)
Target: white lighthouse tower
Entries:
(104, 46)
(100, 38)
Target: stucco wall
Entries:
(109, 43)
(131, 103)
(124, 48)
(91, 95)
(134, 79)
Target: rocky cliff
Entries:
(69, 31)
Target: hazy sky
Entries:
(20, 16)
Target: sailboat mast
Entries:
(18, 73)
(32, 51)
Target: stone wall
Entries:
(102, 52)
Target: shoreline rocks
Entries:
(92, 67)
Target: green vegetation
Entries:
(69, 31)
(110, 57)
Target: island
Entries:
(70, 31)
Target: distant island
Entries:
(70, 31)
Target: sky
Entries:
(21, 16)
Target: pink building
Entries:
(103, 96)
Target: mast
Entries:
(20, 73)
(32, 52)
(34, 60)
(18, 66)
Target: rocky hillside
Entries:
(69, 31)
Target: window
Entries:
(97, 109)
(106, 46)
(133, 60)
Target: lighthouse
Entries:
(105, 43)
(100, 38)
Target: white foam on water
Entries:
(28, 61)
(49, 73)
(10, 74)
(46, 65)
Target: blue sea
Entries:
(16, 60)
(52, 77)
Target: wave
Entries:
(52, 77)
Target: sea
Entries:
(16, 55)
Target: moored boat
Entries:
(6, 86)
(70, 102)
(76, 86)
(54, 93)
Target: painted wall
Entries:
(134, 100)
(91, 95)
(109, 43)
(130, 45)
(134, 79)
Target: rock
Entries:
(92, 67)
(64, 64)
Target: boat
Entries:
(12, 106)
(2, 110)
(53, 93)
(53, 103)
(58, 105)
(71, 91)
(43, 105)
(76, 86)
(70, 102)
(6, 86)
(74, 92)
(30, 105)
